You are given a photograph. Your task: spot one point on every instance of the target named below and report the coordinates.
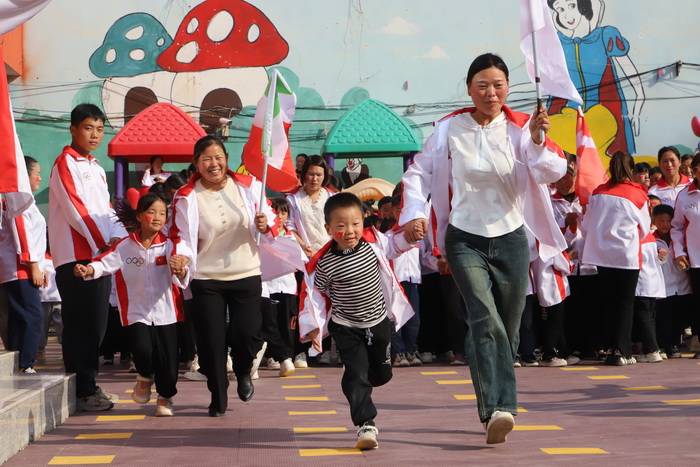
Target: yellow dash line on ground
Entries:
(645, 388)
(465, 397)
(119, 418)
(323, 412)
(328, 452)
(454, 381)
(75, 460)
(687, 355)
(609, 377)
(129, 391)
(104, 436)
(299, 376)
(521, 410)
(536, 428)
(573, 451)
(320, 398)
(130, 401)
(47, 367)
(578, 368)
(302, 386)
(321, 429)
(429, 373)
(683, 402)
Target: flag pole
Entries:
(538, 90)
(266, 140)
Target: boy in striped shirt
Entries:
(352, 294)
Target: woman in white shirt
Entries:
(672, 181)
(154, 172)
(483, 168)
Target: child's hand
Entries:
(443, 267)
(261, 223)
(573, 255)
(571, 219)
(315, 341)
(663, 255)
(177, 265)
(80, 270)
(308, 251)
(415, 230)
(682, 262)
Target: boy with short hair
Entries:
(351, 292)
(82, 224)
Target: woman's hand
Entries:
(261, 223)
(539, 121)
(315, 341)
(308, 251)
(416, 229)
(683, 263)
(37, 275)
(80, 270)
(178, 263)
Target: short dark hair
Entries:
(153, 159)
(344, 199)
(655, 170)
(83, 111)
(175, 181)
(641, 167)
(280, 204)
(484, 62)
(29, 161)
(696, 161)
(662, 209)
(653, 197)
(383, 201)
(396, 200)
(204, 142)
(318, 161)
(666, 149)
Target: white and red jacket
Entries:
(651, 278)
(685, 226)
(666, 193)
(147, 291)
(616, 221)
(676, 280)
(185, 227)
(50, 292)
(295, 221)
(573, 233)
(407, 266)
(22, 241)
(548, 279)
(81, 218)
(315, 305)
(431, 174)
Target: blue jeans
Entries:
(491, 274)
(404, 340)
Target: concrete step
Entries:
(8, 363)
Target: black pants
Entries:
(644, 325)
(25, 320)
(286, 315)
(185, 334)
(617, 289)
(212, 298)
(154, 350)
(669, 319)
(433, 315)
(456, 311)
(553, 339)
(584, 315)
(116, 339)
(366, 354)
(695, 310)
(270, 331)
(528, 335)
(85, 305)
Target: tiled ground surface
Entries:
(589, 414)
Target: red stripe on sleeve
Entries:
(123, 297)
(22, 235)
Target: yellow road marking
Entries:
(687, 355)
(323, 412)
(683, 402)
(328, 452)
(521, 410)
(428, 373)
(454, 381)
(321, 429)
(300, 376)
(574, 451)
(74, 460)
(645, 388)
(130, 401)
(578, 368)
(321, 398)
(129, 391)
(104, 436)
(465, 397)
(302, 386)
(536, 427)
(47, 367)
(119, 418)
(609, 377)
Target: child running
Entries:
(149, 298)
(353, 271)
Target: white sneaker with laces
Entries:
(413, 359)
(195, 376)
(498, 427)
(555, 362)
(653, 357)
(272, 364)
(300, 361)
(367, 437)
(426, 357)
(286, 367)
(400, 360)
(164, 407)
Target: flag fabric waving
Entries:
(15, 12)
(590, 172)
(269, 137)
(536, 19)
(14, 181)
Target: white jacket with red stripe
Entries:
(81, 218)
(651, 278)
(616, 220)
(22, 241)
(147, 291)
(666, 193)
(676, 280)
(685, 226)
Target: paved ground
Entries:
(582, 415)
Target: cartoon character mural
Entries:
(354, 171)
(212, 68)
(595, 56)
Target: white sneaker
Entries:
(271, 364)
(426, 357)
(694, 344)
(195, 376)
(413, 359)
(258, 360)
(286, 367)
(573, 359)
(653, 357)
(132, 367)
(229, 364)
(498, 427)
(164, 407)
(555, 362)
(400, 360)
(367, 437)
(300, 361)
(195, 364)
(324, 358)
(254, 375)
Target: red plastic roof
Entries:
(160, 129)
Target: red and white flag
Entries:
(590, 173)
(14, 182)
(269, 137)
(536, 19)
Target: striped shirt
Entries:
(351, 279)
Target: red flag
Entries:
(590, 173)
(14, 181)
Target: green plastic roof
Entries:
(371, 127)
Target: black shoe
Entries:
(245, 387)
(214, 413)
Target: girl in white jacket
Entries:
(148, 277)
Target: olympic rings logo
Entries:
(135, 261)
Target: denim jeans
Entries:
(491, 274)
(404, 340)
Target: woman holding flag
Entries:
(483, 168)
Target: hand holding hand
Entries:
(177, 265)
(415, 230)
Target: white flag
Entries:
(535, 18)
